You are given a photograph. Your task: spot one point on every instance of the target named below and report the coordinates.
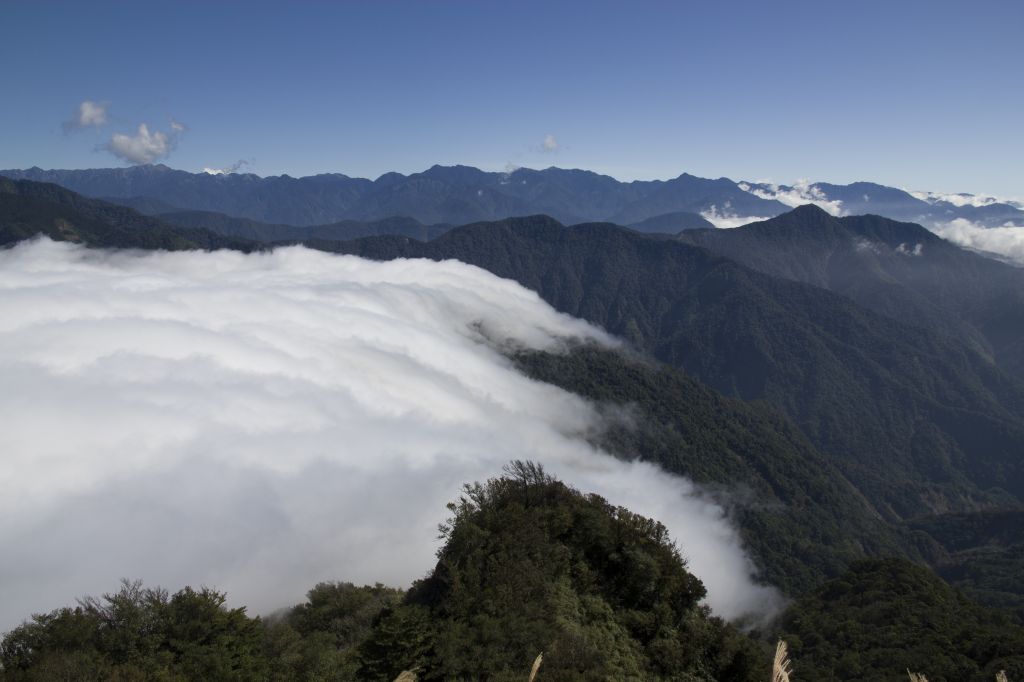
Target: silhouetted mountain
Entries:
(898, 269)
(916, 420)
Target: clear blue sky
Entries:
(924, 95)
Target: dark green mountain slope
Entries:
(529, 566)
(800, 518)
(982, 554)
(915, 420)
(884, 617)
(28, 209)
(898, 269)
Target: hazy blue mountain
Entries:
(463, 194)
(860, 198)
(672, 223)
(441, 194)
(268, 232)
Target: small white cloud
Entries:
(727, 218)
(550, 144)
(88, 115)
(905, 250)
(233, 168)
(144, 146)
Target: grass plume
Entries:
(782, 667)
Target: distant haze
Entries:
(259, 423)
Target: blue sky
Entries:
(923, 95)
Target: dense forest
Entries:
(529, 566)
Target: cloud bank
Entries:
(144, 146)
(88, 115)
(259, 423)
(1006, 241)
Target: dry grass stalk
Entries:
(917, 677)
(781, 667)
(536, 666)
(406, 676)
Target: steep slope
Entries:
(916, 420)
(800, 518)
(28, 209)
(898, 269)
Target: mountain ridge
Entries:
(464, 194)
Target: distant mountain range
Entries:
(455, 195)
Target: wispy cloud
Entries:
(259, 423)
(144, 146)
(89, 114)
(550, 145)
(962, 199)
(802, 192)
(233, 168)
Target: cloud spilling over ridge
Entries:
(726, 217)
(1007, 241)
(144, 146)
(801, 193)
(259, 423)
(89, 114)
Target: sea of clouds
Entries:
(259, 423)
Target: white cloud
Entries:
(906, 250)
(550, 144)
(1006, 241)
(144, 146)
(233, 168)
(88, 115)
(726, 218)
(259, 423)
(801, 193)
(962, 199)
